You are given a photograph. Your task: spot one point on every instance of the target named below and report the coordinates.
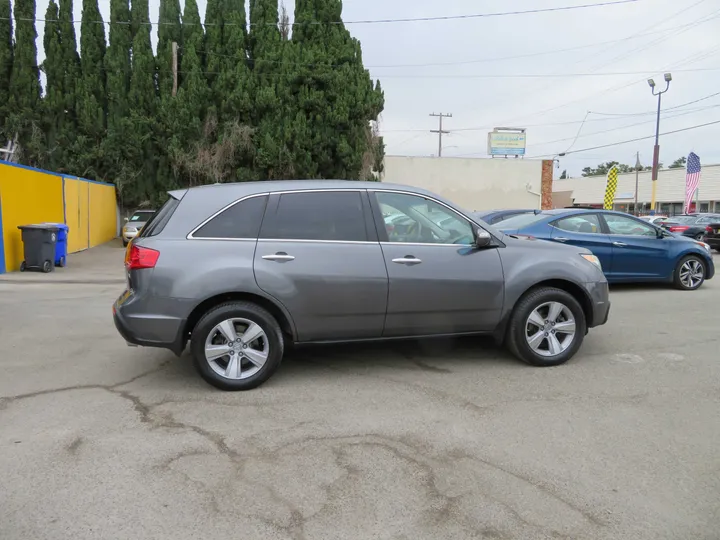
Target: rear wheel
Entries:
(689, 273)
(62, 262)
(23, 266)
(237, 346)
(699, 236)
(47, 267)
(547, 327)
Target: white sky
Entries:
(647, 38)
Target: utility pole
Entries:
(440, 131)
(175, 67)
(656, 150)
(638, 166)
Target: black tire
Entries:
(47, 267)
(245, 310)
(62, 262)
(677, 280)
(125, 243)
(699, 237)
(23, 266)
(516, 333)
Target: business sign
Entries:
(506, 142)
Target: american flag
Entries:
(692, 179)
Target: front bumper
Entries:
(129, 235)
(713, 242)
(600, 300)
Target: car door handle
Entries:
(561, 239)
(408, 259)
(619, 244)
(280, 257)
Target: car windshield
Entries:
(519, 221)
(142, 216)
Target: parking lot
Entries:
(417, 440)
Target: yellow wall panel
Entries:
(77, 236)
(84, 225)
(28, 196)
(103, 213)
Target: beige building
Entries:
(670, 190)
(476, 184)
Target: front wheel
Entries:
(689, 273)
(237, 346)
(699, 237)
(547, 327)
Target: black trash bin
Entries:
(39, 246)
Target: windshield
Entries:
(520, 221)
(142, 216)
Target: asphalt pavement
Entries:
(419, 440)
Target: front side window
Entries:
(417, 220)
(628, 226)
(241, 220)
(317, 215)
(587, 224)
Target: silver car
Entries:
(133, 224)
(242, 270)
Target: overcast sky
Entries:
(485, 85)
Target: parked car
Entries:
(496, 216)
(629, 249)
(692, 225)
(655, 220)
(712, 237)
(242, 270)
(136, 222)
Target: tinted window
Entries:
(323, 215)
(519, 221)
(423, 221)
(628, 226)
(241, 220)
(159, 219)
(587, 224)
(141, 216)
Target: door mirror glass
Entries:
(482, 238)
(126, 219)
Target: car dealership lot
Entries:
(438, 439)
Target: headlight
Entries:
(130, 229)
(706, 246)
(592, 259)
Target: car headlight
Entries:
(130, 229)
(592, 259)
(706, 246)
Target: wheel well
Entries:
(572, 289)
(205, 306)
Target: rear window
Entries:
(683, 219)
(142, 216)
(159, 219)
(241, 220)
(519, 221)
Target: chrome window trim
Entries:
(422, 195)
(305, 241)
(424, 244)
(190, 235)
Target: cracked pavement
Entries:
(418, 440)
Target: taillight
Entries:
(708, 229)
(679, 228)
(140, 257)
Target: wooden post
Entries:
(175, 67)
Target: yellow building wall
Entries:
(27, 196)
(77, 236)
(103, 213)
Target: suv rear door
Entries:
(439, 283)
(318, 254)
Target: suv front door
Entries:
(439, 283)
(318, 254)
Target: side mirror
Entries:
(127, 219)
(482, 238)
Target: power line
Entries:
(633, 140)
(655, 112)
(364, 21)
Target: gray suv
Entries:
(242, 270)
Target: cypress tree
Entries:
(335, 92)
(213, 39)
(143, 103)
(117, 63)
(93, 95)
(24, 88)
(233, 85)
(6, 62)
(70, 61)
(53, 104)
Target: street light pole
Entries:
(656, 151)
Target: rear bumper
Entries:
(145, 330)
(713, 242)
(600, 300)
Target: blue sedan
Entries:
(629, 249)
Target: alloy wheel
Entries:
(692, 273)
(550, 329)
(237, 348)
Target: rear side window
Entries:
(587, 224)
(319, 215)
(159, 219)
(241, 220)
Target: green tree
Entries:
(564, 175)
(214, 22)
(6, 63)
(679, 163)
(334, 92)
(24, 88)
(53, 104)
(117, 63)
(169, 31)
